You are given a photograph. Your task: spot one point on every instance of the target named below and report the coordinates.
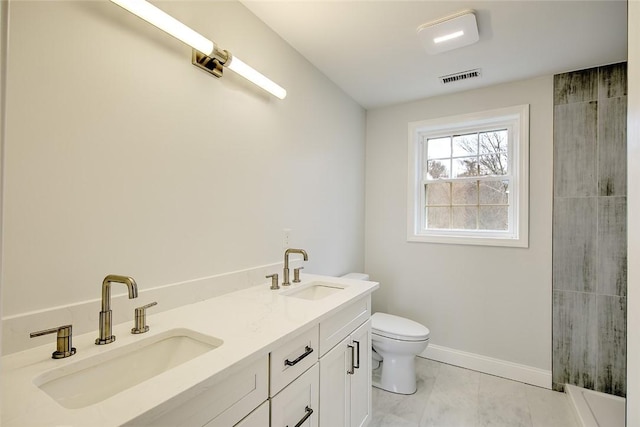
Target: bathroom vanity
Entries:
(256, 357)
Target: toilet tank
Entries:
(356, 276)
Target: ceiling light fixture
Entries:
(451, 32)
(206, 54)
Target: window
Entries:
(468, 179)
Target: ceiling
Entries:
(370, 48)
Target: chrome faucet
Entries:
(285, 279)
(106, 324)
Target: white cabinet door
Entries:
(361, 378)
(334, 386)
(345, 381)
(297, 404)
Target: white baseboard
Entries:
(489, 365)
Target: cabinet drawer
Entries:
(291, 359)
(298, 402)
(340, 325)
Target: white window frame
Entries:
(516, 121)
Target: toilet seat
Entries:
(398, 328)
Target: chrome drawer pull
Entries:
(308, 411)
(353, 358)
(357, 365)
(307, 351)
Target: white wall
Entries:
(122, 157)
(633, 210)
(3, 74)
(488, 301)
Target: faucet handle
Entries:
(140, 322)
(274, 281)
(296, 274)
(63, 341)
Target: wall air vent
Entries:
(456, 77)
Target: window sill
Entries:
(512, 242)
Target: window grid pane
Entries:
(439, 148)
(464, 193)
(467, 205)
(471, 154)
(495, 141)
(465, 145)
(438, 169)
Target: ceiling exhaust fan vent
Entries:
(464, 75)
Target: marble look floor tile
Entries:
(409, 407)
(383, 402)
(502, 403)
(549, 408)
(450, 396)
(390, 420)
(454, 399)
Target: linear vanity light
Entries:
(206, 54)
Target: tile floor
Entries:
(449, 396)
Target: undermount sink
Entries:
(99, 377)
(314, 291)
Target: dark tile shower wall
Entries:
(589, 229)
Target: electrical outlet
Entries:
(286, 238)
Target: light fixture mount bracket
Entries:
(211, 64)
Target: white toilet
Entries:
(396, 341)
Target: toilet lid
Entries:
(399, 328)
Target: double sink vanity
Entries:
(257, 357)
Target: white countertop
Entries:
(250, 322)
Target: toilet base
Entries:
(397, 377)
